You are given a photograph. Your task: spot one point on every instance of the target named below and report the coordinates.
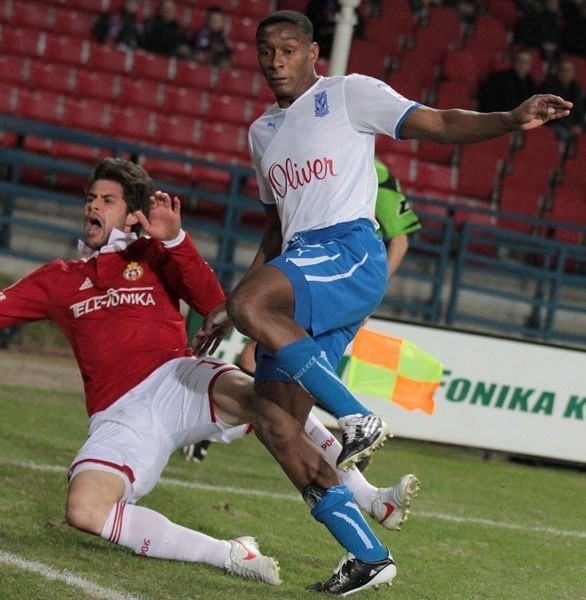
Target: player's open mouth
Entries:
(92, 226)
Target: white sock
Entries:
(149, 533)
(363, 491)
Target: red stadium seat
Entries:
(73, 23)
(479, 167)
(517, 198)
(462, 67)
(134, 123)
(8, 98)
(367, 58)
(53, 77)
(108, 59)
(434, 152)
(574, 173)
(65, 49)
(192, 74)
(454, 94)
(228, 138)
(14, 69)
(23, 42)
(142, 92)
(32, 16)
(97, 85)
(242, 28)
(152, 66)
(224, 107)
(180, 130)
(185, 101)
(41, 105)
(86, 114)
(238, 82)
(244, 55)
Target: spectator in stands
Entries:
(562, 82)
(164, 34)
(504, 90)
(211, 43)
(121, 28)
(573, 37)
(540, 27)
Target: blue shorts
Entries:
(339, 276)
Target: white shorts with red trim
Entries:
(172, 408)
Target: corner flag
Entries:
(393, 369)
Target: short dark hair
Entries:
(288, 16)
(137, 186)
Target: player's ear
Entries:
(131, 219)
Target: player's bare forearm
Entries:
(456, 126)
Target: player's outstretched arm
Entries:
(456, 126)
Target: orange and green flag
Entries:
(393, 369)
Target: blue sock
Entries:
(338, 512)
(306, 363)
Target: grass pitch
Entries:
(479, 529)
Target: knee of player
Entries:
(86, 513)
(241, 312)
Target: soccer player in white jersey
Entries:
(321, 268)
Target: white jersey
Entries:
(315, 159)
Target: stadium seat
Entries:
(192, 74)
(8, 98)
(53, 77)
(461, 66)
(22, 42)
(32, 15)
(233, 109)
(180, 130)
(242, 28)
(108, 59)
(97, 85)
(228, 138)
(14, 69)
(238, 82)
(517, 198)
(454, 94)
(65, 49)
(244, 55)
(479, 167)
(78, 152)
(367, 58)
(134, 123)
(44, 106)
(415, 86)
(574, 173)
(152, 66)
(434, 152)
(168, 170)
(145, 93)
(255, 9)
(185, 101)
(435, 177)
(74, 23)
(86, 114)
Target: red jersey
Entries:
(120, 310)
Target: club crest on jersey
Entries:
(133, 272)
(321, 104)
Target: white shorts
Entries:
(172, 408)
